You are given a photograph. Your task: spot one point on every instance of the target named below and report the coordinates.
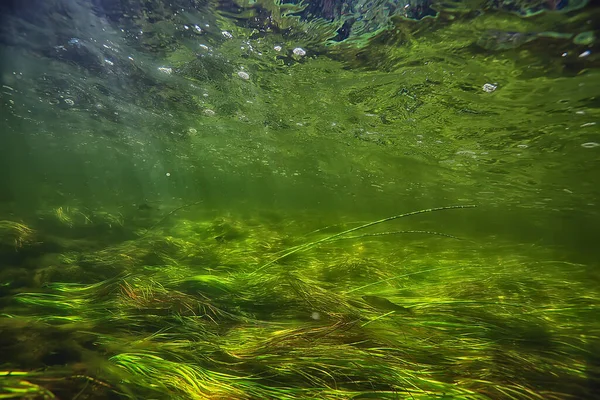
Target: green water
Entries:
(177, 183)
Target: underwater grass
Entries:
(348, 319)
(15, 234)
(15, 385)
(312, 244)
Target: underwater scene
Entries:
(299, 199)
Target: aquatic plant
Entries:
(349, 319)
(15, 234)
(339, 235)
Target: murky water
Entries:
(208, 200)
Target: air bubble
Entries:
(590, 145)
(490, 87)
(298, 51)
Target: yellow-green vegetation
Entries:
(238, 308)
(15, 234)
(16, 386)
(74, 217)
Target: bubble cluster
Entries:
(298, 51)
(489, 87)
